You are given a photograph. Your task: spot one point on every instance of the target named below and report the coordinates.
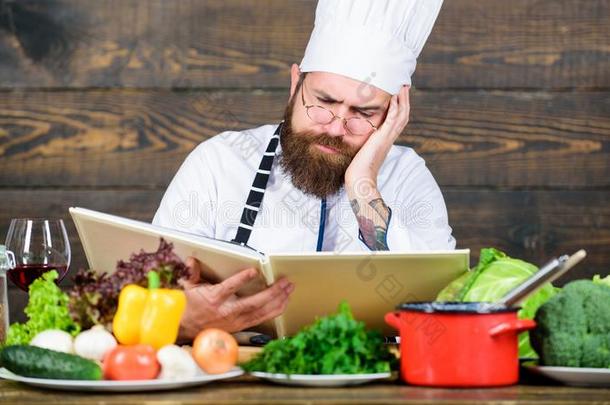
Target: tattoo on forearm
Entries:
(373, 220)
(355, 206)
(381, 209)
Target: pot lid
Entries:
(456, 307)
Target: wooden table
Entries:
(246, 390)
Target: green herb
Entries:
(47, 309)
(495, 275)
(335, 344)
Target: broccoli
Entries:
(573, 327)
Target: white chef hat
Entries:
(373, 41)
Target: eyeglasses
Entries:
(320, 115)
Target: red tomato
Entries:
(215, 351)
(136, 362)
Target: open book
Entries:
(373, 283)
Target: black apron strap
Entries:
(257, 191)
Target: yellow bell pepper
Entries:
(148, 316)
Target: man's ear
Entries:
(295, 73)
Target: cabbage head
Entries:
(597, 279)
(494, 276)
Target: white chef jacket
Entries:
(208, 194)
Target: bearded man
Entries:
(329, 177)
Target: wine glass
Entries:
(39, 245)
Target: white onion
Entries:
(54, 339)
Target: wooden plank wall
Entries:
(100, 101)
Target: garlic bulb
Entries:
(176, 363)
(94, 343)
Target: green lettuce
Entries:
(494, 276)
(47, 309)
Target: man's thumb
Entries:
(194, 271)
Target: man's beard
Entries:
(311, 170)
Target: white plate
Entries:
(584, 377)
(118, 386)
(321, 380)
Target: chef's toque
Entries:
(373, 41)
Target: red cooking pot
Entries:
(458, 344)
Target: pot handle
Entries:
(515, 325)
(393, 319)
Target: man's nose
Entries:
(336, 127)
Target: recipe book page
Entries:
(109, 238)
(373, 283)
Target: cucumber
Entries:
(32, 361)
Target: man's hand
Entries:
(365, 165)
(216, 305)
(372, 213)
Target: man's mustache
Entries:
(331, 141)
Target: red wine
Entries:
(24, 274)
